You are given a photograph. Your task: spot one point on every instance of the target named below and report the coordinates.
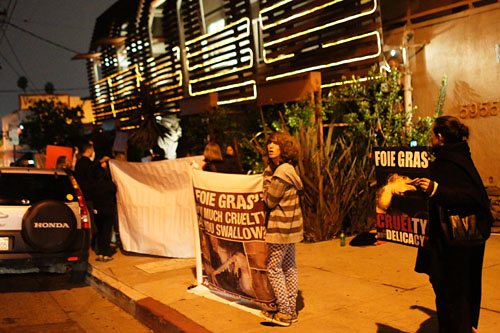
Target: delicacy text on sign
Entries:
(232, 216)
(402, 229)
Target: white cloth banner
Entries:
(156, 207)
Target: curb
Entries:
(155, 315)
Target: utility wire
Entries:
(8, 63)
(4, 23)
(19, 62)
(42, 38)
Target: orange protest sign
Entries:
(54, 152)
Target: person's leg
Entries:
(291, 277)
(276, 253)
(105, 225)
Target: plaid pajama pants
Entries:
(283, 276)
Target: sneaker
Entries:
(277, 318)
(295, 317)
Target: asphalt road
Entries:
(48, 303)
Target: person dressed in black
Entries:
(213, 158)
(85, 174)
(454, 271)
(105, 207)
(158, 153)
(231, 161)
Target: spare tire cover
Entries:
(49, 226)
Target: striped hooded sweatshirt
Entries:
(280, 195)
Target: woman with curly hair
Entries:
(284, 226)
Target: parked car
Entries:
(44, 222)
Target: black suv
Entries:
(44, 223)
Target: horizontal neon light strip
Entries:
(278, 58)
(231, 86)
(212, 61)
(116, 74)
(173, 99)
(333, 64)
(341, 83)
(123, 91)
(230, 101)
(170, 88)
(225, 72)
(276, 5)
(293, 17)
(227, 27)
(165, 76)
(222, 43)
(350, 39)
(305, 32)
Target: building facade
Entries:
(195, 55)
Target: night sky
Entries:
(69, 23)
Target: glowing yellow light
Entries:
(236, 100)
(333, 64)
(117, 74)
(276, 5)
(340, 83)
(231, 86)
(293, 17)
(177, 51)
(123, 91)
(173, 99)
(278, 58)
(330, 24)
(126, 128)
(350, 39)
(224, 72)
(124, 118)
(165, 76)
(227, 27)
(122, 81)
(212, 61)
(157, 68)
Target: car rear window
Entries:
(27, 189)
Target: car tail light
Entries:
(72, 258)
(84, 212)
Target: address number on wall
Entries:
(479, 109)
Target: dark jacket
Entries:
(215, 166)
(455, 272)
(105, 198)
(232, 164)
(85, 174)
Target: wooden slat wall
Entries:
(164, 73)
(222, 61)
(334, 37)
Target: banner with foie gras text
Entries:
(231, 221)
(402, 209)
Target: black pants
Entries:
(104, 221)
(458, 288)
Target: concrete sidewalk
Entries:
(342, 289)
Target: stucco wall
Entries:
(461, 46)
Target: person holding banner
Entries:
(454, 271)
(284, 225)
(213, 158)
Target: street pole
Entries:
(407, 35)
